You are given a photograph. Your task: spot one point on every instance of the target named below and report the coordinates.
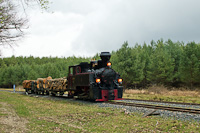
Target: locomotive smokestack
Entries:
(105, 56)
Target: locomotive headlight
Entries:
(120, 81)
(98, 80)
(109, 64)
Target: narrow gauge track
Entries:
(187, 110)
(177, 109)
(164, 102)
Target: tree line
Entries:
(167, 63)
(163, 62)
(14, 70)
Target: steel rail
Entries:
(164, 102)
(188, 110)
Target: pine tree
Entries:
(176, 51)
(190, 65)
(162, 65)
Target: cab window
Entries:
(71, 70)
(77, 70)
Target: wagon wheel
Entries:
(47, 92)
(61, 93)
(53, 94)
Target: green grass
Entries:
(2, 114)
(46, 115)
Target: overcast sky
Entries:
(87, 27)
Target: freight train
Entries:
(95, 81)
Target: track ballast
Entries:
(187, 110)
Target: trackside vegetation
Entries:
(161, 93)
(168, 63)
(36, 114)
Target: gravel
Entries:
(163, 113)
(162, 104)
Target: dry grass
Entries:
(18, 88)
(161, 90)
(161, 93)
(184, 93)
(133, 91)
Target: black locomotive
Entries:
(95, 80)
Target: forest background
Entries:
(168, 63)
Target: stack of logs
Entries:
(42, 82)
(57, 84)
(27, 83)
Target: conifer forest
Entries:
(168, 63)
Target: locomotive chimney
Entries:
(105, 56)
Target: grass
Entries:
(18, 88)
(2, 114)
(46, 115)
(161, 93)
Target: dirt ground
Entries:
(10, 122)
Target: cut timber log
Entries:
(57, 84)
(42, 82)
(27, 83)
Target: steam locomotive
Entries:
(95, 81)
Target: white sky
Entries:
(87, 27)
